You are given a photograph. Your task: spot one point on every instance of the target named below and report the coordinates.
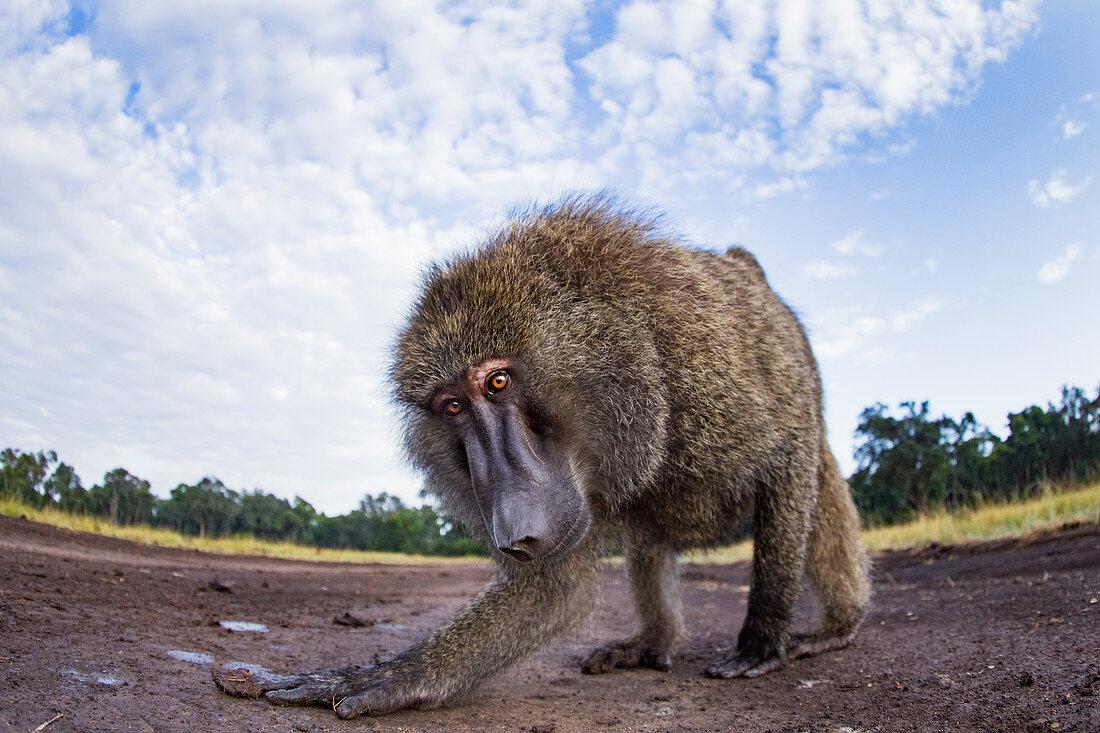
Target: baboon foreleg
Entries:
(522, 610)
(780, 529)
(655, 586)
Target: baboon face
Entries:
(521, 475)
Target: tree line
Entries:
(209, 508)
(908, 463)
(911, 462)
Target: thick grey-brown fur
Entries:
(686, 397)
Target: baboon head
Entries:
(483, 422)
(520, 473)
(497, 455)
(533, 399)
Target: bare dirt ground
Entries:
(101, 635)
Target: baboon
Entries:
(583, 379)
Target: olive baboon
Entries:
(583, 378)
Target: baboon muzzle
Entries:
(529, 500)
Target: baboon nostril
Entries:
(522, 549)
(516, 553)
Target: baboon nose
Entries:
(522, 549)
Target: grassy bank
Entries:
(986, 522)
(238, 545)
(989, 521)
(992, 521)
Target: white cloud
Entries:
(1072, 128)
(211, 214)
(901, 321)
(1057, 189)
(855, 244)
(844, 332)
(763, 191)
(841, 331)
(828, 270)
(931, 265)
(852, 244)
(1058, 267)
(805, 81)
(1070, 119)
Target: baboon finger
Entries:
(243, 683)
(607, 658)
(598, 662)
(624, 657)
(267, 682)
(656, 660)
(627, 655)
(372, 702)
(301, 695)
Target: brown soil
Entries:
(995, 636)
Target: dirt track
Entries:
(999, 636)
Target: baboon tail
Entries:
(836, 562)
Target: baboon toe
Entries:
(740, 666)
(818, 642)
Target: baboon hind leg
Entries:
(837, 565)
(780, 532)
(655, 585)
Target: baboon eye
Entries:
(498, 381)
(453, 407)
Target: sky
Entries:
(213, 213)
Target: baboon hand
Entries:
(352, 691)
(628, 653)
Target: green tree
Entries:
(123, 498)
(384, 523)
(904, 463)
(267, 516)
(970, 447)
(913, 462)
(1059, 443)
(207, 507)
(307, 521)
(65, 487)
(22, 474)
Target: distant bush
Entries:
(912, 463)
(209, 508)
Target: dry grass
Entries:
(237, 545)
(990, 521)
(986, 522)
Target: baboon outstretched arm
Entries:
(524, 609)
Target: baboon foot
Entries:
(628, 653)
(818, 642)
(800, 645)
(746, 665)
(351, 691)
